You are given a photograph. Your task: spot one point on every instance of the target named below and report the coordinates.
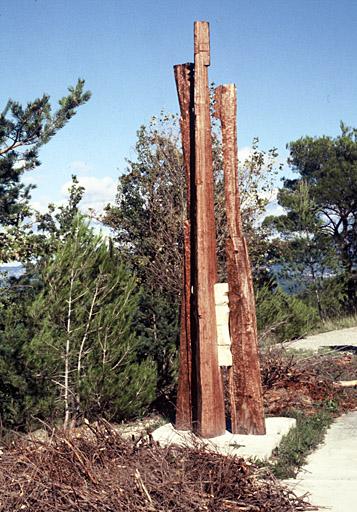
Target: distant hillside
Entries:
(11, 271)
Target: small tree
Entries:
(85, 343)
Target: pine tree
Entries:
(23, 131)
(306, 256)
(22, 392)
(328, 166)
(85, 344)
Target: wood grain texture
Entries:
(247, 412)
(184, 83)
(210, 402)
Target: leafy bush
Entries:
(20, 390)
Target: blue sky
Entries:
(294, 63)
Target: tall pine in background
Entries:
(23, 130)
(327, 168)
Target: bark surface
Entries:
(184, 83)
(247, 414)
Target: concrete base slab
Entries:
(260, 447)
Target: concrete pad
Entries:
(260, 447)
(330, 475)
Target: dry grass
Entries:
(334, 324)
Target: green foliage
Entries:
(147, 227)
(300, 441)
(85, 345)
(13, 385)
(306, 255)
(332, 296)
(156, 322)
(282, 316)
(148, 214)
(20, 390)
(25, 392)
(57, 222)
(23, 130)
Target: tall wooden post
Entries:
(200, 400)
(246, 389)
(184, 403)
(210, 400)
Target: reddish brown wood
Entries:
(246, 389)
(232, 402)
(184, 389)
(184, 77)
(210, 402)
(184, 83)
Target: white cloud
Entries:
(40, 206)
(80, 168)
(244, 153)
(20, 164)
(273, 208)
(98, 191)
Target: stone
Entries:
(222, 322)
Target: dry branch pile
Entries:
(99, 471)
(292, 382)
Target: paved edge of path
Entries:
(340, 338)
(330, 474)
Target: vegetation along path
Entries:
(330, 475)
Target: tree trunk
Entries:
(67, 356)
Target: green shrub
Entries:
(282, 316)
(20, 389)
(300, 441)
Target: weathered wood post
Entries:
(247, 412)
(200, 383)
(184, 403)
(210, 403)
